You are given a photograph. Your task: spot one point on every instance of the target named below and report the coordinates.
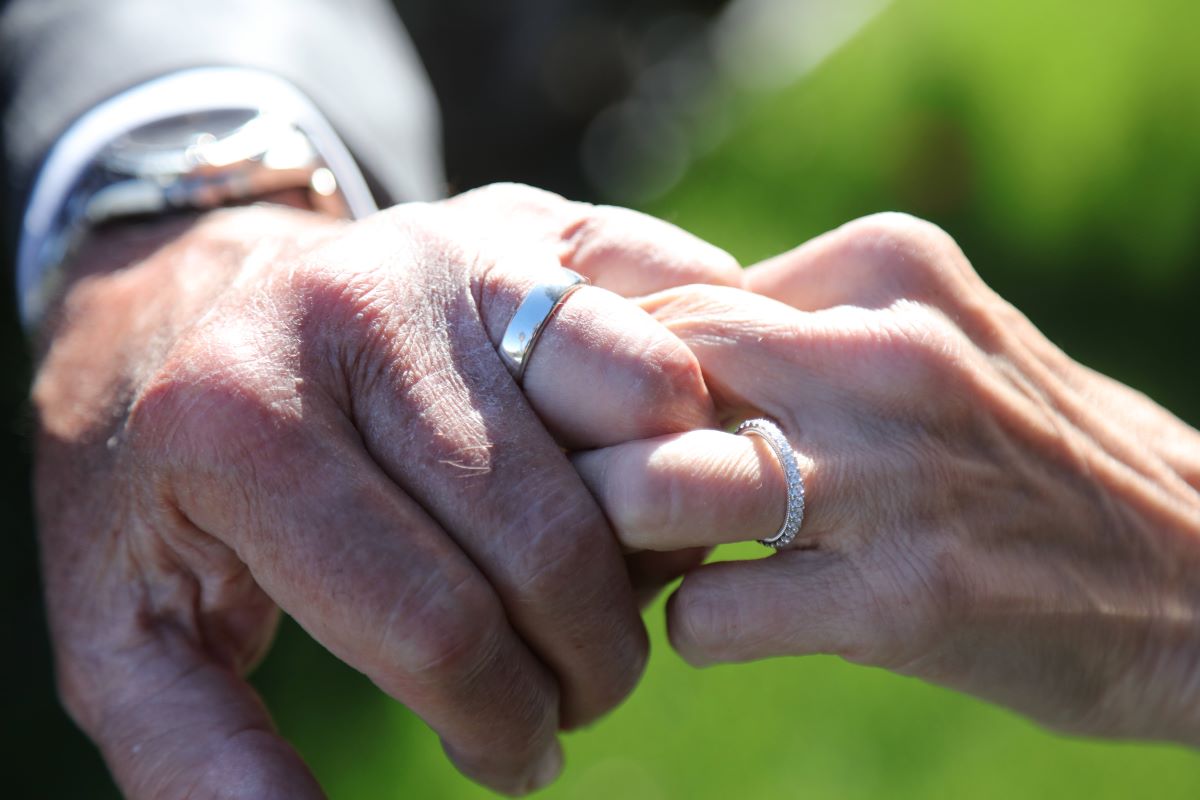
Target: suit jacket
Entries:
(59, 58)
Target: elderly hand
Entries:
(982, 512)
(269, 409)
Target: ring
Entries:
(793, 518)
(531, 317)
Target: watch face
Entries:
(174, 146)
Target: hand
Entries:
(269, 409)
(982, 511)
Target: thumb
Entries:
(797, 602)
(174, 722)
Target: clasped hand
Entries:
(269, 410)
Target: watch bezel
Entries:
(75, 170)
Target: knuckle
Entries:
(650, 505)
(612, 677)
(676, 397)
(899, 227)
(721, 267)
(924, 346)
(701, 624)
(916, 257)
(352, 322)
(243, 753)
(377, 301)
(612, 233)
(915, 601)
(400, 223)
(442, 633)
(568, 563)
(678, 365)
(512, 197)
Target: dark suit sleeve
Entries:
(59, 58)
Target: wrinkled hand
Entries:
(268, 409)
(982, 511)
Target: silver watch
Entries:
(192, 140)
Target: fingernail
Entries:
(548, 768)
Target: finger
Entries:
(372, 577)
(696, 489)
(642, 384)
(603, 370)
(796, 602)
(458, 436)
(617, 249)
(633, 254)
(172, 722)
(828, 374)
(505, 489)
(828, 378)
(870, 262)
(748, 346)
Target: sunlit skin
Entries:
(983, 512)
(268, 410)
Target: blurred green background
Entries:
(1060, 144)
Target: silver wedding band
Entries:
(527, 324)
(793, 518)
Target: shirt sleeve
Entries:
(352, 58)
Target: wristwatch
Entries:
(193, 140)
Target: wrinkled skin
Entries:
(983, 512)
(266, 409)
